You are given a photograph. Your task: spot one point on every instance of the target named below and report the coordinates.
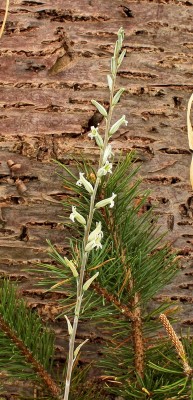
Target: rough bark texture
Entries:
(54, 58)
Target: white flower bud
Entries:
(75, 215)
(95, 134)
(105, 202)
(90, 246)
(97, 231)
(116, 50)
(110, 82)
(120, 34)
(117, 96)
(113, 66)
(121, 57)
(117, 125)
(94, 243)
(85, 183)
(99, 107)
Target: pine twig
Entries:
(138, 336)
(113, 300)
(135, 312)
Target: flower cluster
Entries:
(94, 239)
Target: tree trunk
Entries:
(54, 59)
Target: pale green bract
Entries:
(89, 281)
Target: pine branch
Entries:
(113, 300)
(26, 344)
(46, 378)
(137, 334)
(135, 310)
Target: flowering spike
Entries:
(92, 239)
